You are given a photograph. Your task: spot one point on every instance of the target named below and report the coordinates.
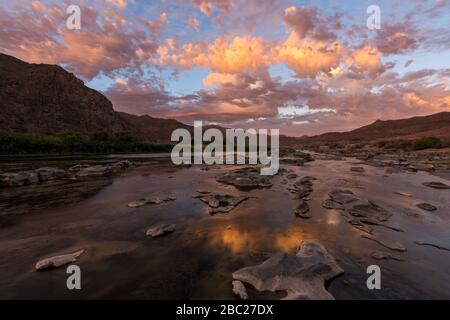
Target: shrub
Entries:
(74, 142)
(426, 143)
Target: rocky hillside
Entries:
(433, 125)
(155, 129)
(46, 99)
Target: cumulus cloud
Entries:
(334, 75)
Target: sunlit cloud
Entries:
(304, 69)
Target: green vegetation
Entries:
(74, 142)
(412, 145)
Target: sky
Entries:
(304, 67)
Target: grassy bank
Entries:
(74, 142)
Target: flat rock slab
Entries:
(301, 276)
(330, 204)
(58, 261)
(426, 206)
(245, 179)
(219, 203)
(342, 196)
(369, 210)
(385, 242)
(436, 185)
(160, 230)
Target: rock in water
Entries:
(245, 179)
(302, 276)
(160, 230)
(385, 242)
(239, 289)
(302, 210)
(426, 206)
(18, 179)
(436, 185)
(330, 204)
(369, 210)
(58, 261)
(342, 196)
(380, 255)
(46, 174)
(137, 203)
(218, 203)
(153, 200)
(357, 169)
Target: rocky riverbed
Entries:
(146, 229)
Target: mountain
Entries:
(437, 124)
(46, 99)
(158, 129)
(155, 129)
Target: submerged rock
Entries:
(385, 242)
(302, 210)
(160, 230)
(380, 255)
(421, 243)
(239, 289)
(58, 261)
(245, 178)
(436, 185)
(426, 206)
(301, 276)
(152, 200)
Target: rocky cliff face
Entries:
(46, 99)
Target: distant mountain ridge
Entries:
(437, 124)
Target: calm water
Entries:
(196, 261)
